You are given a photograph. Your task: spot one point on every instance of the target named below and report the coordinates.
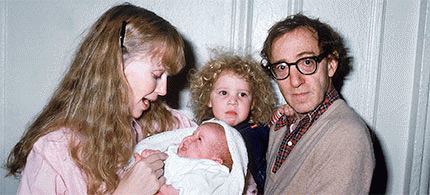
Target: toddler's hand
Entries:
(283, 110)
(286, 110)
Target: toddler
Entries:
(236, 90)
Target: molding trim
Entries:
(242, 23)
(3, 35)
(418, 158)
(241, 26)
(295, 6)
(373, 61)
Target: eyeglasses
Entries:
(306, 66)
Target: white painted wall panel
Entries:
(418, 159)
(192, 18)
(396, 84)
(3, 149)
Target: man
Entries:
(325, 147)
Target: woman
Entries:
(83, 138)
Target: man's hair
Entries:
(328, 41)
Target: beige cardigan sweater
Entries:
(335, 156)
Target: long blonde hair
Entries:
(202, 85)
(92, 99)
(158, 119)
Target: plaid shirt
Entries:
(292, 137)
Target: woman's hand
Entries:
(167, 190)
(145, 153)
(145, 176)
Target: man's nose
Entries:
(296, 78)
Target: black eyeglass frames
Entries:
(306, 66)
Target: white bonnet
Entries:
(237, 148)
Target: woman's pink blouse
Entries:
(51, 170)
(184, 122)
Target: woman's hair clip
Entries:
(122, 34)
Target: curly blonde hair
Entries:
(92, 99)
(201, 85)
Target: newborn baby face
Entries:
(202, 143)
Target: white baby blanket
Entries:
(234, 184)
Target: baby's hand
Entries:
(167, 190)
(144, 154)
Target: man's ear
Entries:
(218, 160)
(332, 63)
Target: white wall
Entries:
(389, 86)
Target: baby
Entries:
(202, 162)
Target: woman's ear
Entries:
(332, 63)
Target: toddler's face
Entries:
(231, 98)
(202, 143)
